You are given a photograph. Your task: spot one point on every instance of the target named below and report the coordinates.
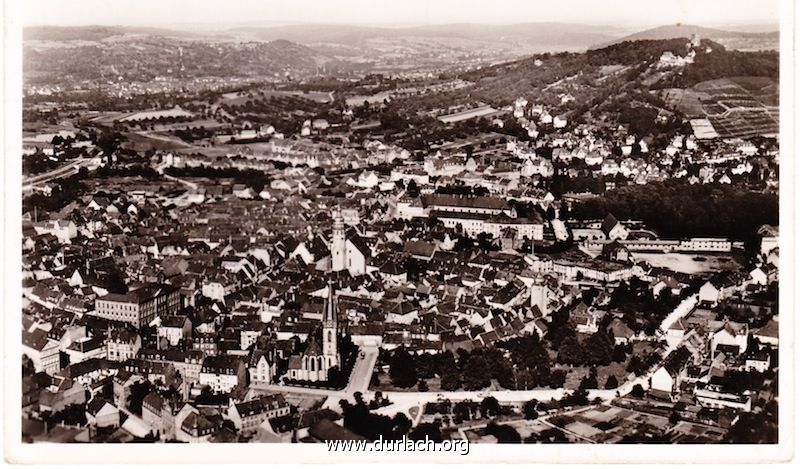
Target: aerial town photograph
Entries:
(413, 223)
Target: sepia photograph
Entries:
(451, 231)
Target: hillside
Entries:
(627, 82)
(437, 46)
(547, 34)
(730, 39)
(143, 58)
(94, 33)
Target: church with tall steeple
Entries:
(314, 363)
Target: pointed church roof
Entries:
(609, 223)
(313, 350)
(330, 306)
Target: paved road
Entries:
(362, 371)
(160, 170)
(685, 307)
(64, 171)
(296, 390)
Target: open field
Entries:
(239, 98)
(736, 107)
(690, 263)
(161, 114)
(609, 424)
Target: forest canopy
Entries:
(679, 209)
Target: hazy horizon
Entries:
(622, 14)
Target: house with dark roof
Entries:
(613, 229)
(173, 329)
(101, 413)
(140, 306)
(326, 430)
(122, 344)
(309, 418)
(43, 351)
(159, 413)
(620, 331)
(198, 427)
(221, 373)
(667, 378)
(262, 366)
(247, 416)
(421, 250)
(731, 334)
(768, 335)
(722, 285)
(719, 393)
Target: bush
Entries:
(422, 386)
(503, 433)
(529, 409)
(490, 407)
(611, 382)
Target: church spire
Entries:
(330, 329)
(330, 307)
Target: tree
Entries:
(558, 378)
(485, 242)
(589, 381)
(635, 365)
(755, 427)
(462, 410)
(73, 414)
(450, 376)
(637, 391)
(674, 418)
(401, 424)
(451, 380)
(431, 430)
(503, 433)
(571, 352)
(476, 373)
(402, 370)
(598, 348)
(529, 409)
(427, 365)
(138, 392)
(358, 419)
(619, 354)
(490, 407)
(611, 382)
(411, 189)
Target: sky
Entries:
(399, 12)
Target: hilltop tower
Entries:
(338, 243)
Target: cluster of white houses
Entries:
(666, 245)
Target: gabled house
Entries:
(43, 351)
(222, 373)
(101, 413)
(667, 378)
(247, 416)
(731, 334)
(262, 367)
(613, 229)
